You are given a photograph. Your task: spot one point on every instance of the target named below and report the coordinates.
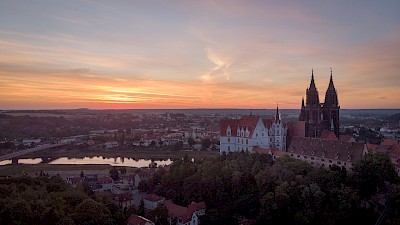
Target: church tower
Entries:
(331, 109)
(320, 116)
(313, 110)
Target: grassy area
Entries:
(128, 153)
(31, 169)
(20, 169)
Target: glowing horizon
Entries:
(196, 54)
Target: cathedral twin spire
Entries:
(312, 96)
(320, 116)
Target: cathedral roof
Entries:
(328, 135)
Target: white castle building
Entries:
(252, 131)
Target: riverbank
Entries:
(74, 169)
(34, 169)
(73, 152)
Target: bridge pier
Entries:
(14, 161)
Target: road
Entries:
(23, 152)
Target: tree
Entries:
(371, 173)
(205, 143)
(191, 142)
(141, 208)
(122, 170)
(114, 174)
(92, 212)
(161, 214)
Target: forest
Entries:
(43, 200)
(234, 187)
(288, 191)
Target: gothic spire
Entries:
(312, 97)
(331, 98)
(331, 87)
(302, 102)
(277, 117)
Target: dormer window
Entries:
(312, 153)
(228, 131)
(349, 158)
(337, 155)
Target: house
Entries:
(151, 201)
(75, 181)
(123, 200)
(111, 144)
(138, 220)
(181, 215)
(106, 182)
(143, 175)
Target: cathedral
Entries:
(320, 116)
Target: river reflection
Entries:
(118, 161)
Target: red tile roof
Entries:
(328, 135)
(346, 138)
(175, 211)
(273, 151)
(123, 197)
(395, 152)
(184, 213)
(138, 220)
(153, 198)
(277, 152)
(297, 129)
(105, 180)
(198, 205)
(337, 150)
(389, 142)
(260, 150)
(249, 122)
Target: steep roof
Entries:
(123, 197)
(346, 138)
(249, 122)
(337, 150)
(138, 220)
(105, 180)
(328, 135)
(389, 142)
(153, 198)
(184, 213)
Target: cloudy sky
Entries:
(197, 54)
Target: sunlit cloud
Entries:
(196, 54)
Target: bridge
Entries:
(30, 150)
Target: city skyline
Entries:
(196, 54)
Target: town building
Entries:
(320, 116)
(181, 215)
(151, 201)
(252, 131)
(326, 152)
(138, 220)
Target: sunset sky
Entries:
(59, 54)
